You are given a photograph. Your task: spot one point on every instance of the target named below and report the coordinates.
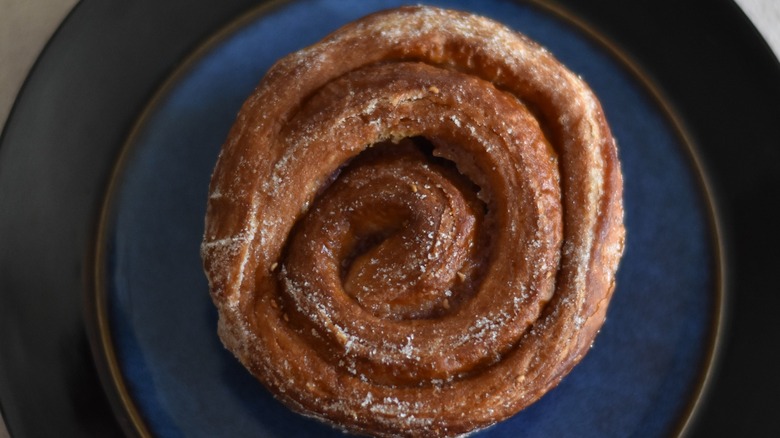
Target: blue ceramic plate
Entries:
(647, 366)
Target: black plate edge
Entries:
(764, 423)
(719, 311)
(59, 382)
(99, 332)
(722, 77)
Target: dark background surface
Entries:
(706, 58)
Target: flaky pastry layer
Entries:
(414, 225)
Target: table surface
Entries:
(26, 26)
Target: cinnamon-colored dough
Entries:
(414, 225)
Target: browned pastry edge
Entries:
(267, 179)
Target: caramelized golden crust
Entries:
(414, 225)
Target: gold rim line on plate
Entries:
(709, 364)
(124, 407)
(102, 346)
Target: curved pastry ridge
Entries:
(414, 225)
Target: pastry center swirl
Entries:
(414, 267)
(401, 230)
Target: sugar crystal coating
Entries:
(414, 225)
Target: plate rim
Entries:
(99, 333)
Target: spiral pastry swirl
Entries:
(414, 225)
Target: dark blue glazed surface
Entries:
(645, 366)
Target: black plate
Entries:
(101, 68)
